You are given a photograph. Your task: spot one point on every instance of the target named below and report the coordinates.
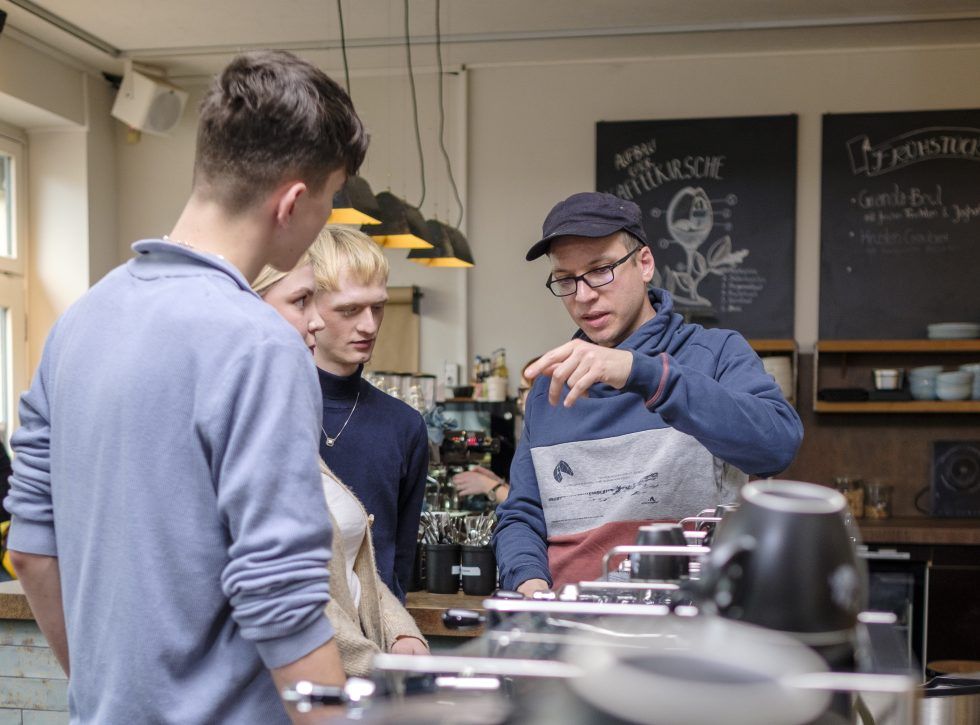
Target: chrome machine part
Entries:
(950, 700)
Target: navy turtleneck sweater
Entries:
(383, 457)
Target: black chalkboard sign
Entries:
(899, 245)
(719, 204)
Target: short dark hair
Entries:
(270, 116)
(631, 242)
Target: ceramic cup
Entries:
(659, 567)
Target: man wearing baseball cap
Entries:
(640, 417)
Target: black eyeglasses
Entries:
(564, 286)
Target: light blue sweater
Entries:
(167, 456)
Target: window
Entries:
(13, 203)
(13, 235)
(6, 199)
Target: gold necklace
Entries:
(331, 440)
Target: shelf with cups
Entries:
(780, 359)
(844, 376)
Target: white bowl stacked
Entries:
(953, 330)
(922, 381)
(975, 369)
(954, 385)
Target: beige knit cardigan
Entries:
(371, 627)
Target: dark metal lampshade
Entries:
(450, 248)
(402, 226)
(355, 204)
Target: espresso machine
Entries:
(460, 449)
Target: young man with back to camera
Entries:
(376, 444)
(169, 523)
(641, 417)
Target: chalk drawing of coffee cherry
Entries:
(690, 219)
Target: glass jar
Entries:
(877, 500)
(853, 490)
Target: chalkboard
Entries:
(719, 204)
(899, 245)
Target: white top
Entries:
(350, 531)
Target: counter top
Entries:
(920, 530)
(427, 608)
(13, 603)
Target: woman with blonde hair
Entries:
(367, 618)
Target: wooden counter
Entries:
(13, 603)
(921, 530)
(427, 609)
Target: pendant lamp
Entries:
(355, 204)
(450, 248)
(402, 226)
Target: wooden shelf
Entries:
(774, 345)
(899, 406)
(920, 530)
(849, 363)
(898, 346)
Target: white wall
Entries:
(532, 143)
(522, 119)
(529, 135)
(384, 102)
(38, 89)
(64, 110)
(155, 179)
(58, 262)
(100, 151)
(72, 218)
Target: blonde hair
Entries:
(270, 275)
(338, 249)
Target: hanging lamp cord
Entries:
(343, 44)
(415, 105)
(442, 118)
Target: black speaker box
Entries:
(956, 478)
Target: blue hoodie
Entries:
(696, 415)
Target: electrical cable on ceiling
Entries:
(415, 105)
(343, 44)
(442, 119)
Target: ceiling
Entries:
(191, 37)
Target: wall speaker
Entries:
(148, 104)
(956, 478)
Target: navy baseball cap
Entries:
(588, 214)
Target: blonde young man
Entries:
(376, 444)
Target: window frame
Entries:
(14, 145)
(12, 298)
(13, 280)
